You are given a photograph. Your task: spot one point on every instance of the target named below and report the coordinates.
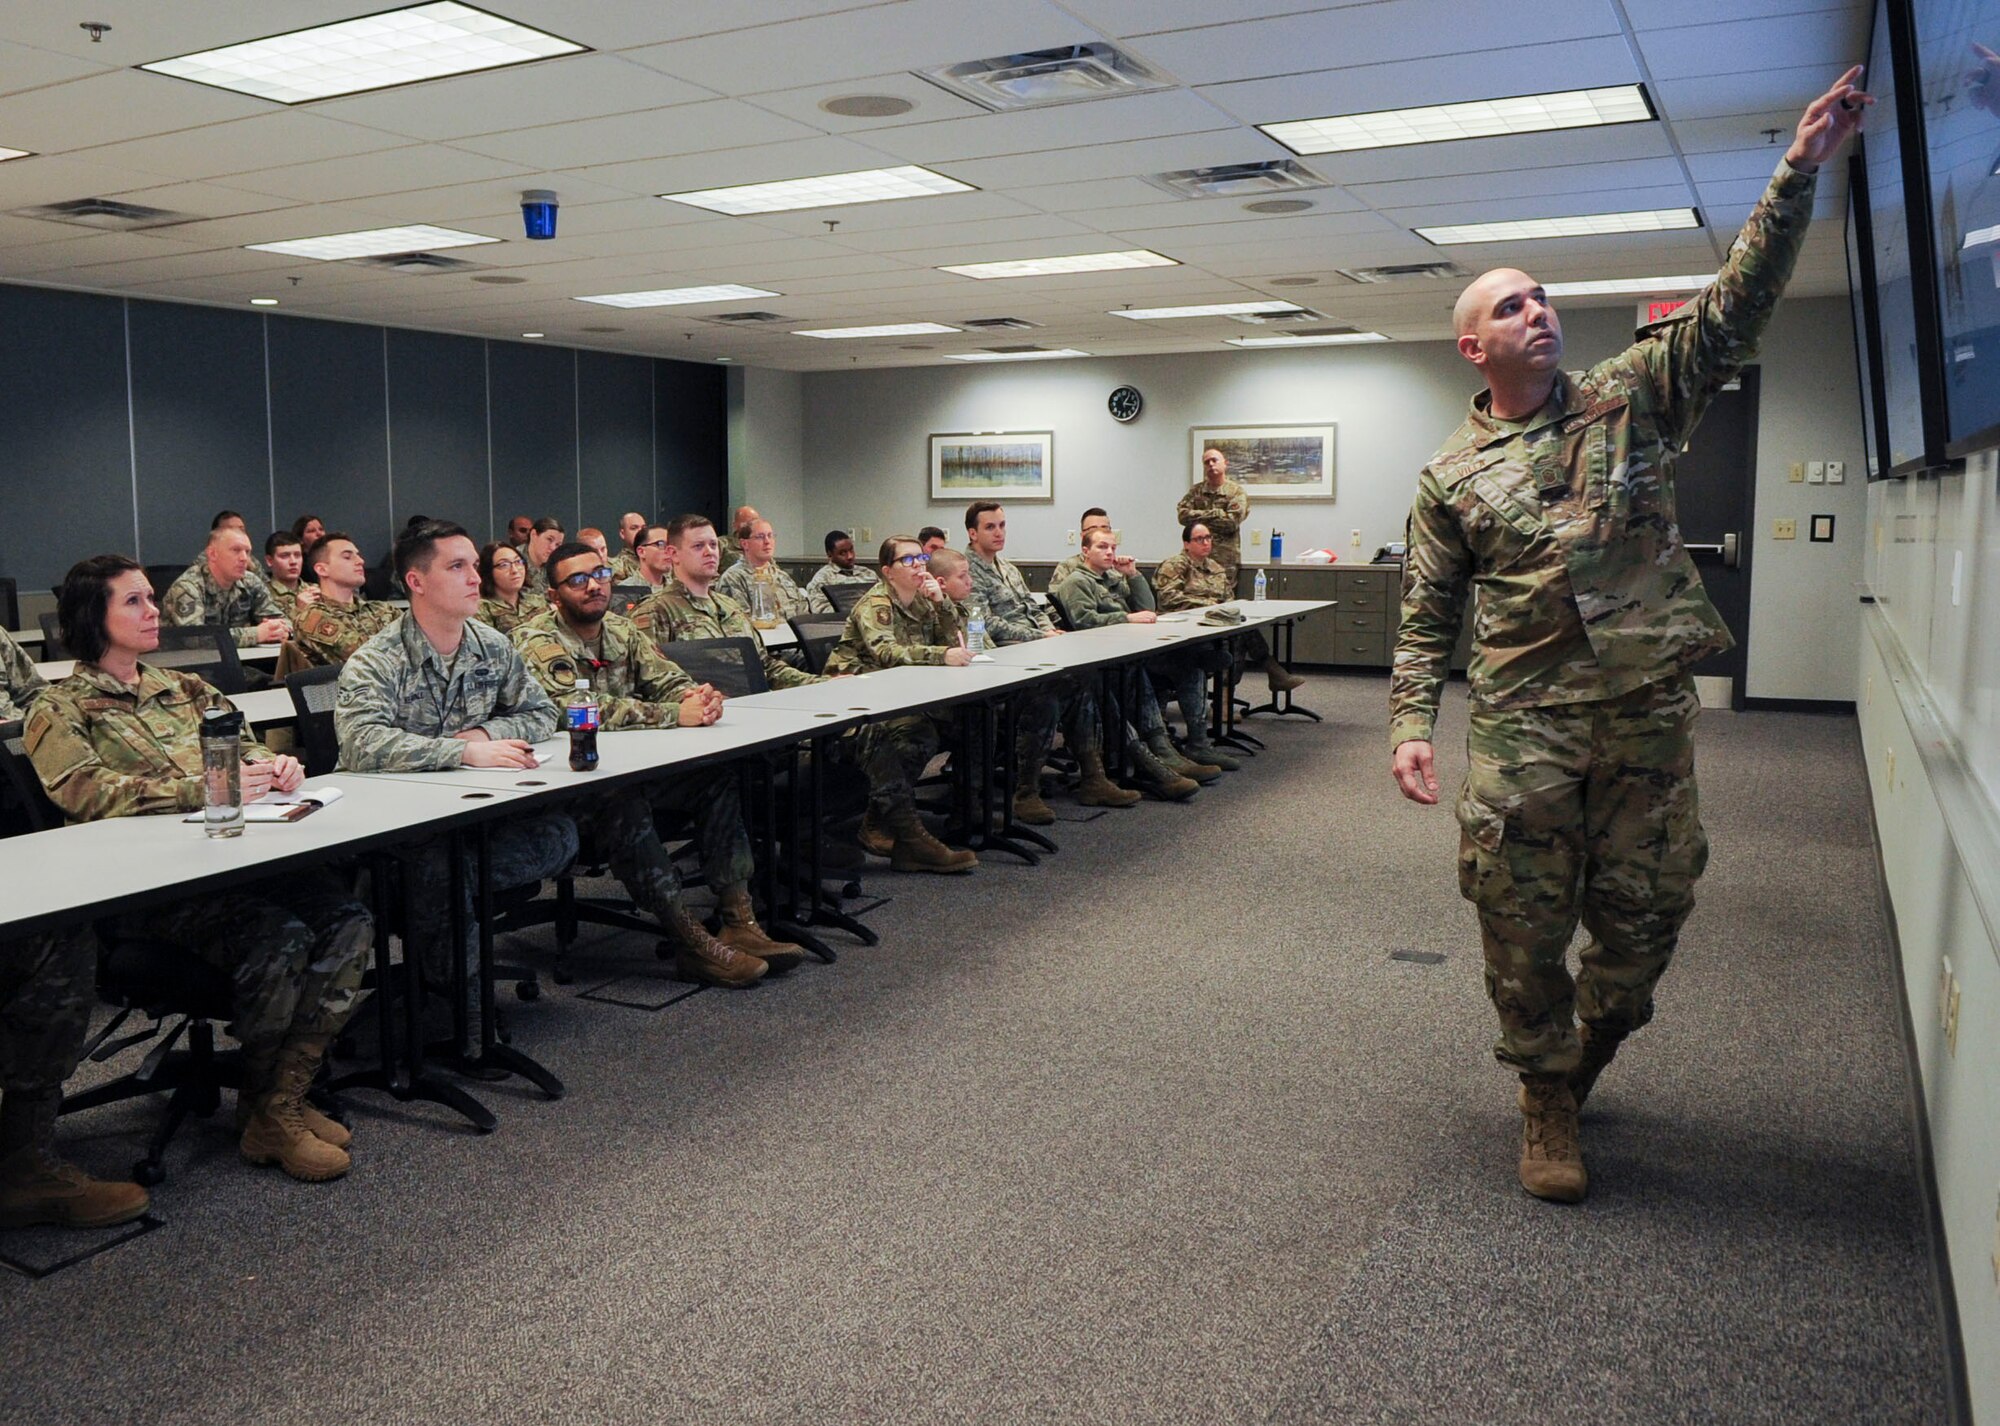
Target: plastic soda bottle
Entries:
(580, 717)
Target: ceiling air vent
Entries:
(1014, 351)
(1291, 319)
(998, 324)
(1059, 76)
(106, 213)
(1398, 272)
(417, 263)
(1238, 180)
(746, 319)
(1325, 331)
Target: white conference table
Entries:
(57, 669)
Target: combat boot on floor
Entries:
(1551, 1152)
(1281, 679)
(917, 850)
(37, 1188)
(1029, 809)
(258, 1069)
(1600, 1047)
(875, 839)
(1162, 747)
(741, 931)
(699, 957)
(1206, 752)
(1159, 779)
(1096, 788)
(277, 1131)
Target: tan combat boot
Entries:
(277, 1131)
(917, 850)
(875, 839)
(258, 1068)
(1162, 747)
(1159, 779)
(1028, 805)
(1551, 1153)
(698, 956)
(741, 931)
(1281, 679)
(1599, 1048)
(37, 1188)
(1096, 789)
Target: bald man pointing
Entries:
(1554, 505)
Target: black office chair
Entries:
(627, 597)
(10, 603)
(736, 666)
(156, 980)
(313, 693)
(161, 576)
(206, 650)
(844, 597)
(52, 645)
(817, 634)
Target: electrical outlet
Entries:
(1951, 1020)
(1069, 537)
(1354, 538)
(1815, 472)
(867, 535)
(1798, 472)
(1836, 472)
(1784, 529)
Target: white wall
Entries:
(863, 452)
(767, 452)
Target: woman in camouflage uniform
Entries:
(503, 571)
(119, 738)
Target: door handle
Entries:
(1728, 549)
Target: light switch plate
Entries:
(1836, 472)
(1798, 471)
(1815, 472)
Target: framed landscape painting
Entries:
(1270, 462)
(1005, 465)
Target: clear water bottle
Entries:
(1258, 587)
(763, 604)
(975, 632)
(222, 772)
(580, 716)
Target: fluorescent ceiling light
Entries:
(900, 329)
(1213, 309)
(6, 154)
(373, 242)
(263, 301)
(868, 185)
(1629, 286)
(1979, 237)
(1052, 266)
(1015, 356)
(677, 296)
(1477, 119)
(1330, 339)
(372, 52)
(1652, 220)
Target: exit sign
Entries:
(1662, 307)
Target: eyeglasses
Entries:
(583, 578)
(510, 564)
(912, 561)
(654, 544)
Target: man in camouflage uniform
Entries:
(1110, 590)
(1554, 504)
(759, 565)
(1093, 519)
(220, 588)
(652, 562)
(739, 527)
(901, 622)
(637, 687)
(838, 569)
(1193, 579)
(1013, 617)
(438, 690)
(341, 621)
(625, 564)
(284, 559)
(20, 685)
(1222, 505)
(47, 985)
(691, 607)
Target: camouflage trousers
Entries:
(1185, 676)
(294, 951)
(521, 851)
(47, 985)
(894, 754)
(620, 825)
(1133, 701)
(1069, 704)
(1580, 809)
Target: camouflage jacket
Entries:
(1183, 583)
(1562, 526)
(329, 633)
(400, 700)
(731, 552)
(492, 611)
(675, 613)
(636, 685)
(830, 574)
(195, 598)
(881, 633)
(1063, 570)
(787, 599)
(20, 685)
(1012, 616)
(103, 749)
(287, 600)
(625, 568)
(1090, 600)
(1223, 510)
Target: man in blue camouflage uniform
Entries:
(438, 690)
(1554, 505)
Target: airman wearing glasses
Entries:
(637, 687)
(759, 565)
(503, 574)
(653, 556)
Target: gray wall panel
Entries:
(437, 429)
(692, 439)
(615, 416)
(534, 432)
(329, 443)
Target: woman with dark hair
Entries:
(502, 575)
(307, 529)
(120, 738)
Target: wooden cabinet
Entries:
(1359, 630)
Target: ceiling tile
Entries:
(654, 133)
(1608, 182)
(1063, 126)
(765, 163)
(1712, 96)
(23, 67)
(626, 24)
(1145, 17)
(1120, 160)
(1831, 41)
(283, 137)
(931, 103)
(407, 170)
(120, 104)
(551, 91)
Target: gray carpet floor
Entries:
(1156, 1132)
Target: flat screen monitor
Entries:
(1899, 226)
(1861, 301)
(1958, 68)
